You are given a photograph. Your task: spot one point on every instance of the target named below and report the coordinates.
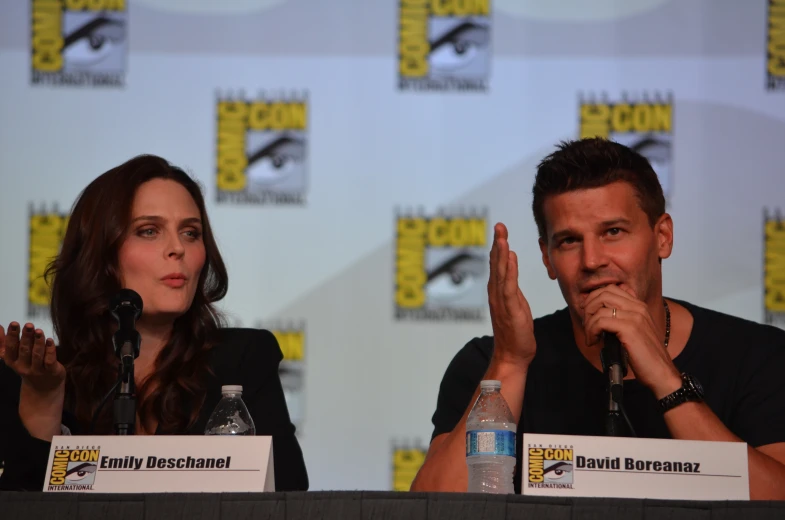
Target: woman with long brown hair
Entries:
(141, 226)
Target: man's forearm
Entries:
(696, 421)
(445, 467)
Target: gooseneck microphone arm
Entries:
(126, 308)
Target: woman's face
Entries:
(163, 252)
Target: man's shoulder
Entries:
(719, 338)
(727, 326)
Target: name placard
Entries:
(160, 464)
(567, 465)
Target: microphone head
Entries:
(126, 298)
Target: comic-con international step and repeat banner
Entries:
(355, 156)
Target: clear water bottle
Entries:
(231, 416)
(490, 442)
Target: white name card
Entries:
(160, 464)
(567, 465)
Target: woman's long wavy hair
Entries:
(85, 276)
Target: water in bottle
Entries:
(231, 416)
(490, 442)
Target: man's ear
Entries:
(663, 230)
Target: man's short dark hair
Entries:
(593, 163)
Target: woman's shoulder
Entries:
(237, 346)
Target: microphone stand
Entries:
(614, 362)
(614, 426)
(125, 397)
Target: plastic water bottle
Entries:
(490, 442)
(231, 416)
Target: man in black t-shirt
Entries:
(693, 373)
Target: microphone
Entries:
(126, 308)
(613, 357)
(614, 364)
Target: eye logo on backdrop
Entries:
(261, 150)
(47, 230)
(406, 462)
(79, 42)
(774, 268)
(775, 50)
(291, 339)
(444, 45)
(645, 125)
(441, 266)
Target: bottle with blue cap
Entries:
(490, 442)
(231, 416)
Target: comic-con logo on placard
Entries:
(644, 123)
(79, 42)
(407, 457)
(775, 48)
(441, 265)
(261, 150)
(773, 268)
(47, 230)
(444, 45)
(550, 467)
(74, 469)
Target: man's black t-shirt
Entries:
(740, 363)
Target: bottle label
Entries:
(490, 442)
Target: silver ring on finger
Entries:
(614, 312)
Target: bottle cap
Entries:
(232, 389)
(490, 384)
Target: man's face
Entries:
(601, 236)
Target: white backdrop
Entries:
(312, 247)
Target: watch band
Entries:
(691, 390)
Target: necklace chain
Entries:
(667, 322)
